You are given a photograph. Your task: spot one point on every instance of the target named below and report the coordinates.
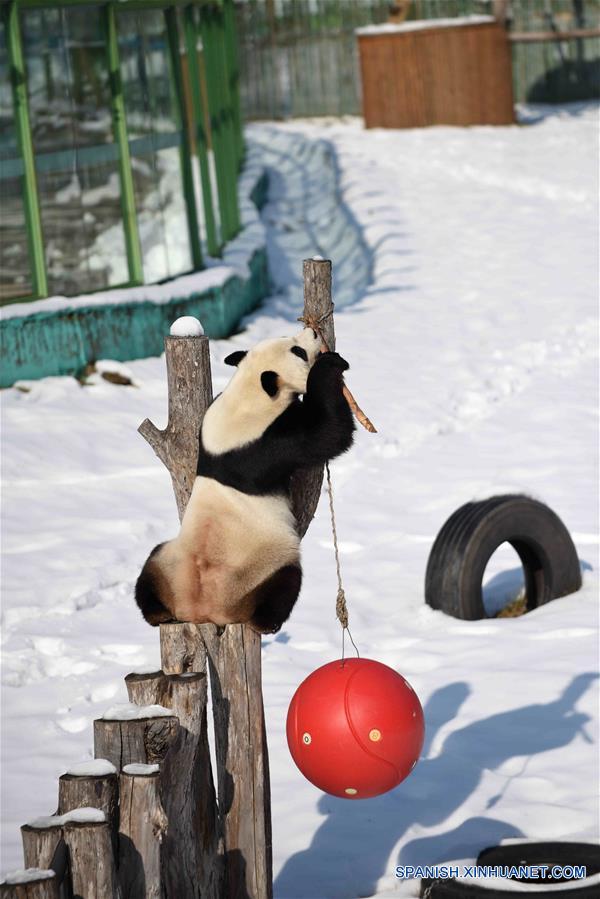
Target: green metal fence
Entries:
(120, 142)
(299, 57)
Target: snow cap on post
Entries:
(186, 326)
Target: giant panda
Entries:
(237, 556)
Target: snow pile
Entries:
(92, 768)
(137, 769)
(84, 815)
(474, 351)
(186, 326)
(128, 711)
(28, 875)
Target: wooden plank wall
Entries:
(437, 76)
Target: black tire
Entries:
(549, 854)
(463, 547)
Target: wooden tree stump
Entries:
(91, 861)
(139, 740)
(142, 827)
(41, 884)
(182, 648)
(191, 866)
(242, 760)
(91, 791)
(42, 845)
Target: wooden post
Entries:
(142, 827)
(40, 884)
(91, 791)
(139, 740)
(42, 845)
(93, 873)
(191, 866)
(234, 652)
(190, 393)
(306, 485)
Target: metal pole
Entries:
(132, 240)
(33, 222)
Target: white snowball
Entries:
(92, 768)
(137, 768)
(128, 711)
(318, 259)
(186, 326)
(28, 875)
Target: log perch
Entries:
(41, 887)
(142, 828)
(43, 847)
(190, 861)
(91, 861)
(145, 740)
(99, 791)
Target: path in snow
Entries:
(473, 350)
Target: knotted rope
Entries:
(341, 609)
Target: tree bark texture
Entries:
(145, 740)
(91, 791)
(191, 866)
(182, 648)
(44, 888)
(190, 393)
(91, 861)
(142, 827)
(318, 307)
(44, 847)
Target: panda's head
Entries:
(279, 367)
(268, 379)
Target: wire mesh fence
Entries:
(299, 57)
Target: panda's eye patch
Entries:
(298, 351)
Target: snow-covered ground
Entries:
(474, 351)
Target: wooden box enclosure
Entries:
(450, 74)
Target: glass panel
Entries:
(76, 157)
(155, 138)
(15, 279)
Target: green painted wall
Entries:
(63, 342)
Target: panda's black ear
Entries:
(235, 358)
(269, 381)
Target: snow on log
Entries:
(142, 827)
(30, 883)
(91, 860)
(186, 326)
(190, 863)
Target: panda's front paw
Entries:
(330, 361)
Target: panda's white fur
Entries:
(242, 413)
(233, 544)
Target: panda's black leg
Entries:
(275, 599)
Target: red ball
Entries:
(355, 728)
